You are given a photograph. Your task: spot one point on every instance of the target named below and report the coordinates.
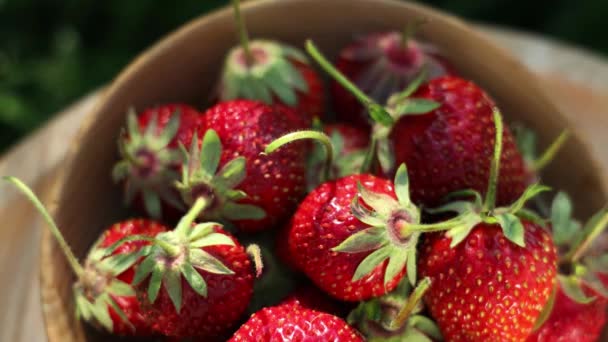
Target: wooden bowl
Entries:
(184, 67)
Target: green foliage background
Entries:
(54, 51)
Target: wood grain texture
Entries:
(34, 159)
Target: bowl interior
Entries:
(184, 66)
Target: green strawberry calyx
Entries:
(201, 179)
(396, 316)
(393, 233)
(578, 267)
(96, 283)
(384, 117)
(179, 253)
(474, 210)
(261, 69)
(148, 163)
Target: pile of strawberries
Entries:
(402, 216)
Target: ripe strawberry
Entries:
(450, 147)
(579, 310)
(151, 160)
(487, 287)
(271, 72)
(443, 131)
(382, 64)
(200, 280)
(348, 250)
(572, 321)
(294, 323)
(102, 292)
(493, 274)
(252, 191)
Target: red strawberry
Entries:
(128, 304)
(493, 273)
(351, 251)
(271, 72)
(579, 311)
(382, 64)
(151, 159)
(450, 148)
(487, 287)
(252, 191)
(443, 131)
(200, 283)
(102, 294)
(296, 324)
(572, 321)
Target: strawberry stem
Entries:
(243, 35)
(490, 199)
(551, 151)
(411, 304)
(315, 135)
(29, 194)
(376, 111)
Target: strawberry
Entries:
(292, 322)
(579, 309)
(396, 316)
(251, 191)
(103, 294)
(572, 321)
(382, 64)
(271, 72)
(353, 236)
(443, 130)
(195, 281)
(493, 274)
(151, 160)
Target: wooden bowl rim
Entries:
(167, 40)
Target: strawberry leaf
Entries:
(371, 262)
(411, 266)
(120, 288)
(512, 228)
(366, 240)
(232, 173)
(237, 211)
(205, 261)
(169, 130)
(144, 269)
(402, 186)
(427, 326)
(173, 285)
(99, 309)
(529, 193)
(211, 152)
(365, 215)
(381, 203)
(564, 227)
(571, 285)
(396, 263)
(155, 282)
(194, 278)
(547, 309)
(213, 239)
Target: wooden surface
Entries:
(576, 80)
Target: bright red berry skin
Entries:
(130, 305)
(487, 288)
(374, 58)
(189, 124)
(274, 182)
(572, 321)
(450, 148)
(324, 220)
(311, 103)
(211, 316)
(294, 323)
